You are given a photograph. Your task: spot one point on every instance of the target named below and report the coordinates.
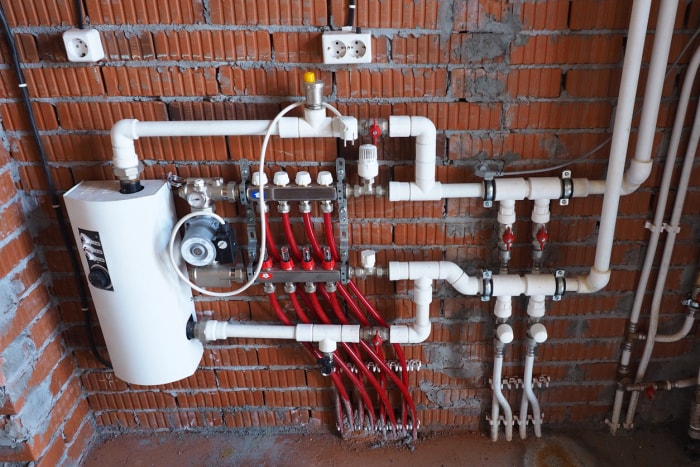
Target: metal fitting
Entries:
(331, 287)
(370, 333)
(489, 192)
(567, 188)
(487, 285)
(290, 287)
(283, 207)
(560, 281)
(309, 287)
(326, 363)
(268, 288)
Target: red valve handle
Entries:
(375, 131)
(542, 237)
(377, 340)
(650, 392)
(508, 238)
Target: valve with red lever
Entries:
(375, 131)
(508, 238)
(542, 237)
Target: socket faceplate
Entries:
(343, 47)
(83, 45)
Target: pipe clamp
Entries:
(560, 281)
(487, 286)
(567, 188)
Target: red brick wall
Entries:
(528, 82)
(44, 415)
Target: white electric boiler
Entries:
(142, 306)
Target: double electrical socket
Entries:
(342, 47)
(83, 45)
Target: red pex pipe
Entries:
(287, 226)
(355, 356)
(311, 235)
(337, 382)
(330, 235)
(270, 242)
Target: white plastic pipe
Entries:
(640, 165)
(657, 222)
(672, 231)
(421, 327)
(424, 131)
(538, 334)
(218, 330)
(504, 335)
(125, 132)
(680, 334)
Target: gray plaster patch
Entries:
(9, 299)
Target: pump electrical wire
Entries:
(55, 201)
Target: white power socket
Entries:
(342, 47)
(83, 45)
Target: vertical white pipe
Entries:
(666, 262)
(495, 383)
(600, 272)
(640, 166)
(664, 188)
(527, 388)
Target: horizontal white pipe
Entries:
(506, 189)
(678, 335)
(503, 284)
(641, 165)
(217, 330)
(125, 132)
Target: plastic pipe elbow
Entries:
(123, 135)
(636, 174)
(591, 283)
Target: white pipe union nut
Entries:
(303, 178)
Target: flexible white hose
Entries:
(529, 396)
(261, 210)
(678, 335)
(500, 399)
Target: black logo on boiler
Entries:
(98, 273)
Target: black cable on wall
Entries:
(55, 201)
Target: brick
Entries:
(61, 82)
(296, 13)
(550, 15)
(530, 82)
(120, 45)
(568, 49)
(66, 147)
(260, 81)
(33, 177)
(477, 84)
(139, 12)
(165, 81)
(38, 13)
(15, 117)
(483, 15)
(559, 115)
(14, 252)
(596, 14)
(11, 219)
(208, 45)
(392, 83)
(103, 115)
(298, 47)
(455, 116)
(419, 49)
(81, 444)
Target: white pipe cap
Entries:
(324, 178)
(281, 178)
(256, 178)
(303, 178)
(538, 332)
(505, 333)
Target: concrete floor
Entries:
(666, 445)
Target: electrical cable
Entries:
(351, 14)
(55, 201)
(263, 220)
(609, 138)
(79, 14)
